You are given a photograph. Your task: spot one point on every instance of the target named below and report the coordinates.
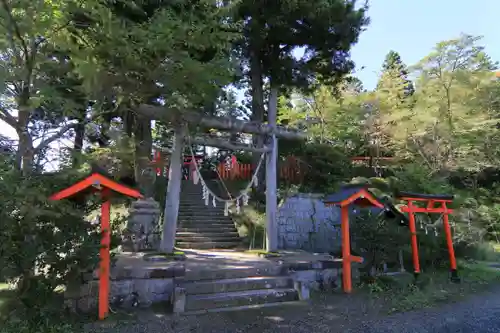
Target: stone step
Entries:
(202, 229)
(240, 298)
(211, 218)
(207, 245)
(202, 239)
(208, 218)
(210, 234)
(205, 221)
(237, 284)
(202, 211)
(209, 275)
(206, 228)
(247, 307)
(183, 202)
(200, 223)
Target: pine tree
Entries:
(394, 66)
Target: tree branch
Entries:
(54, 137)
(9, 119)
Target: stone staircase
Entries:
(201, 226)
(235, 289)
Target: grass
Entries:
(433, 288)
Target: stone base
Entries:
(134, 282)
(320, 275)
(124, 294)
(138, 282)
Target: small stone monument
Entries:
(142, 233)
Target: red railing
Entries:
(239, 171)
(288, 170)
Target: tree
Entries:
(325, 29)
(392, 68)
(448, 120)
(25, 38)
(151, 54)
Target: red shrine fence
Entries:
(289, 170)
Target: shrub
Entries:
(377, 238)
(43, 244)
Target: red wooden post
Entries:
(414, 242)
(104, 255)
(449, 239)
(346, 249)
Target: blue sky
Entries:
(413, 27)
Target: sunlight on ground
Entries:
(275, 319)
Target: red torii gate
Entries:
(430, 201)
(99, 181)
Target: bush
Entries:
(43, 244)
(377, 238)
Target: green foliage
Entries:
(377, 238)
(394, 69)
(325, 166)
(271, 35)
(419, 179)
(43, 244)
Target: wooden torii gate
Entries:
(179, 118)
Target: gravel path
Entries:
(479, 313)
(346, 314)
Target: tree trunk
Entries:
(78, 144)
(257, 110)
(143, 148)
(25, 153)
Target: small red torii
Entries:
(430, 201)
(99, 181)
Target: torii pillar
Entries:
(271, 177)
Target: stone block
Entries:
(121, 288)
(89, 289)
(330, 278)
(308, 278)
(179, 300)
(300, 266)
(302, 290)
(86, 304)
(153, 290)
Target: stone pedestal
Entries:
(142, 232)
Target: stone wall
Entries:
(129, 287)
(321, 275)
(304, 222)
